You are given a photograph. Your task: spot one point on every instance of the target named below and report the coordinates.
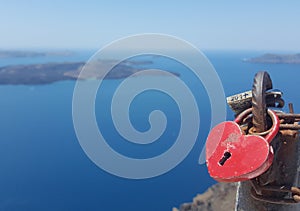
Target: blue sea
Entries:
(43, 166)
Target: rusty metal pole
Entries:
(270, 191)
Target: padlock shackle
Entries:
(272, 132)
(275, 127)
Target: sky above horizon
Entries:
(241, 25)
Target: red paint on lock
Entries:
(233, 156)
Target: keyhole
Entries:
(225, 157)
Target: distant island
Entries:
(32, 54)
(276, 59)
(52, 72)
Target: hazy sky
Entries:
(255, 24)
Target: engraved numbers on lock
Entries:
(240, 97)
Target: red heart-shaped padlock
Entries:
(232, 156)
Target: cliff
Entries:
(219, 197)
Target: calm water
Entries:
(44, 168)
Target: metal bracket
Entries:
(291, 194)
